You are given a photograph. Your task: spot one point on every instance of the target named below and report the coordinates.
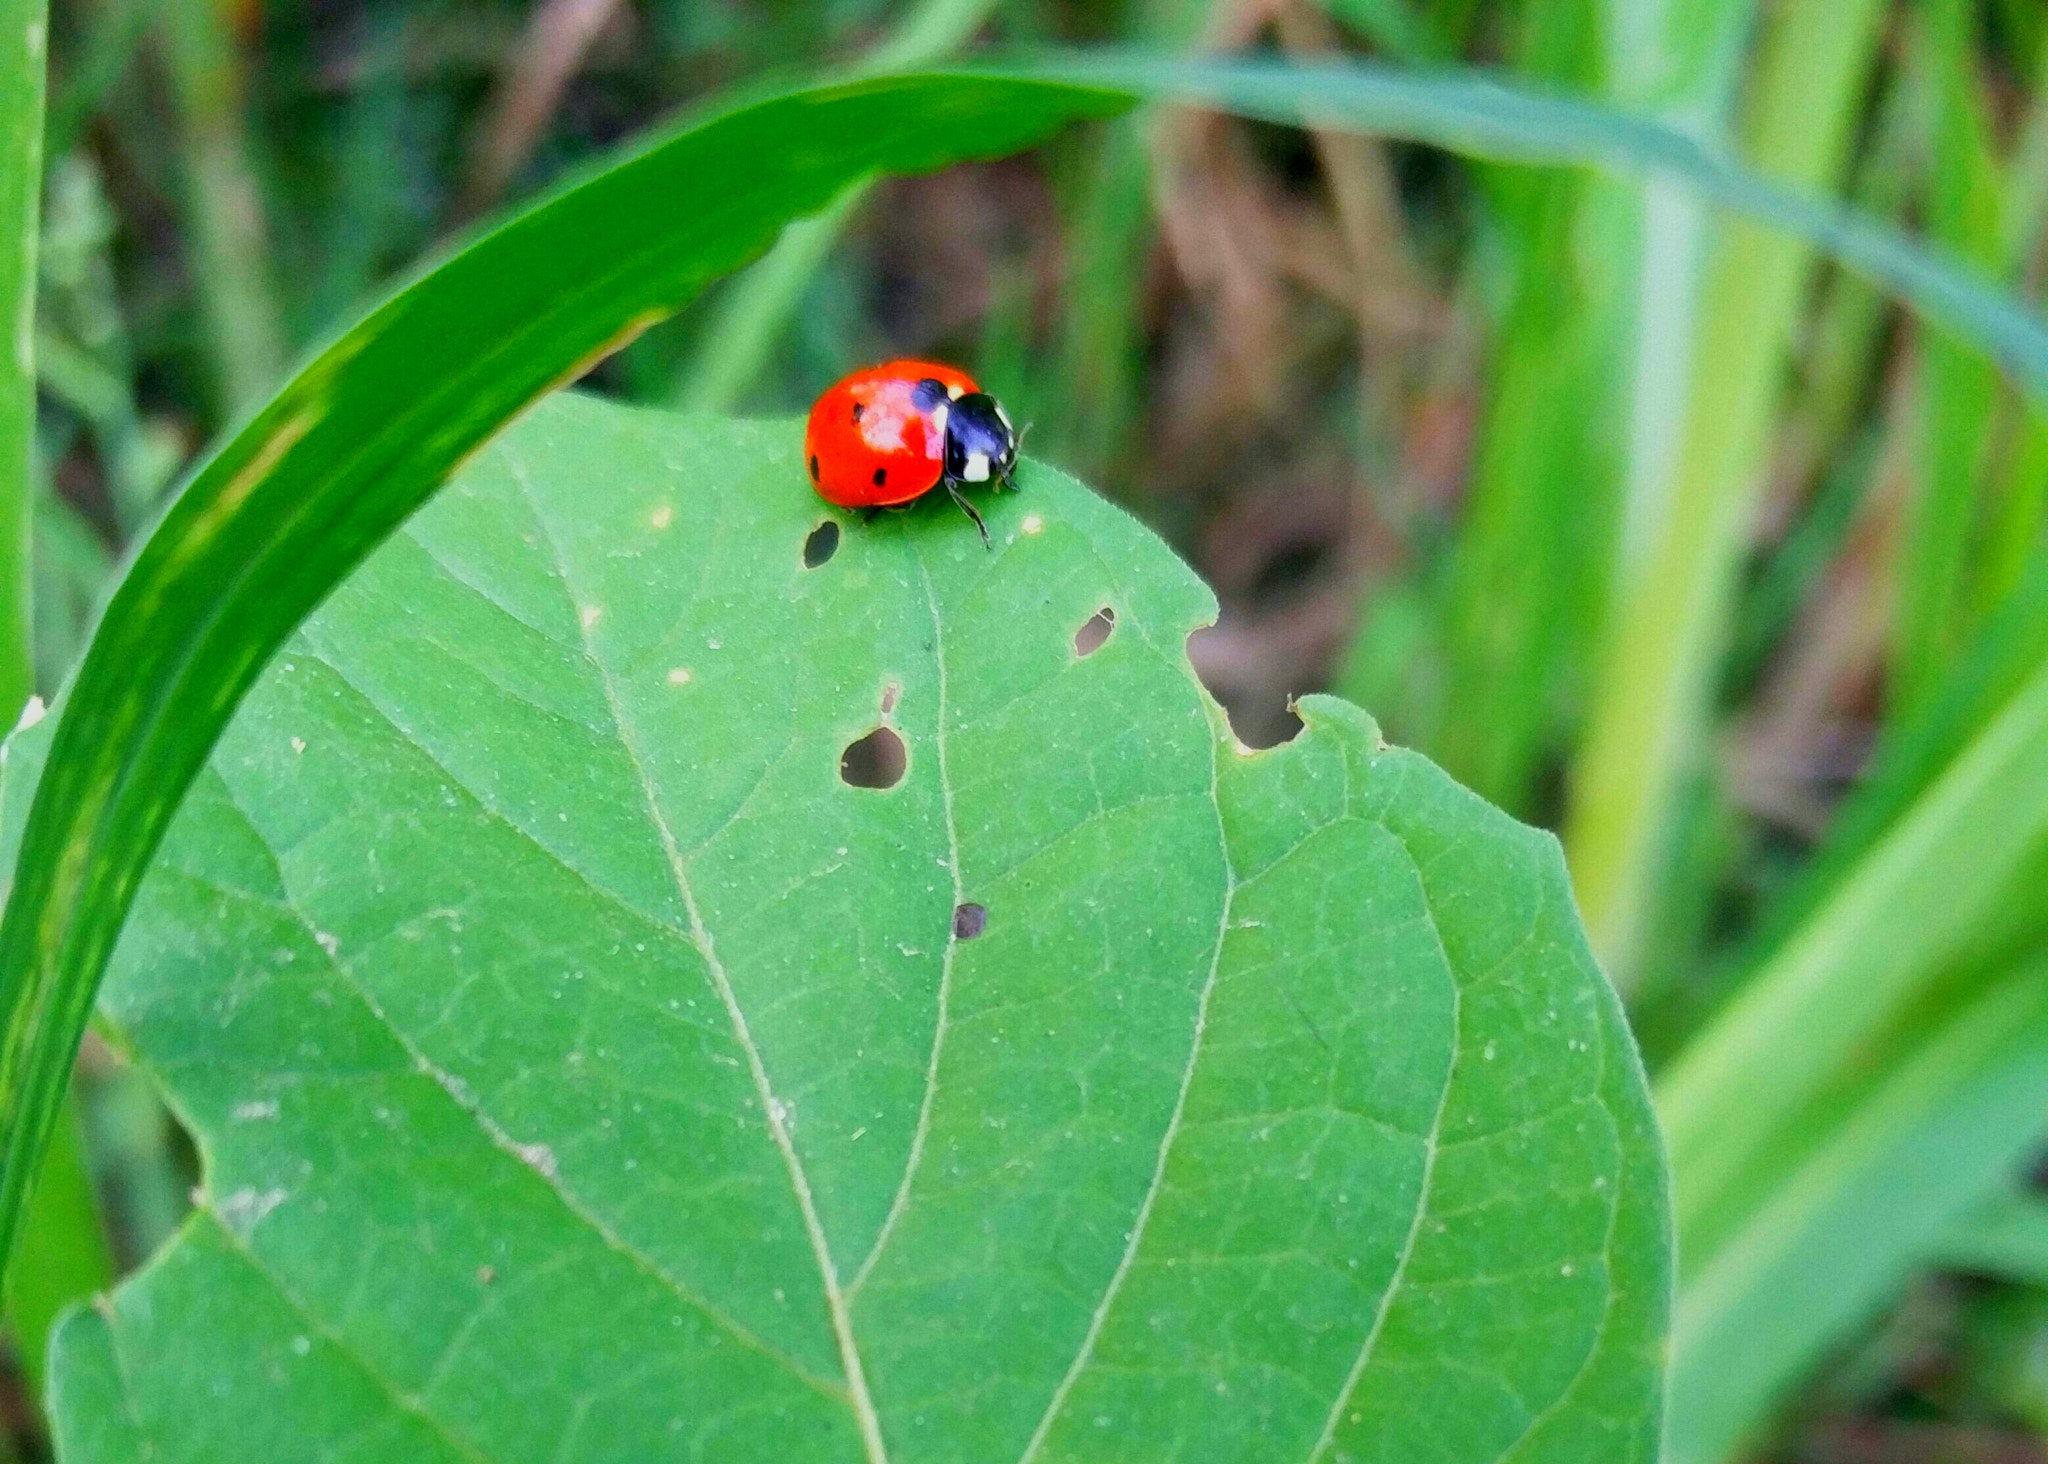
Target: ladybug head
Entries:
(980, 442)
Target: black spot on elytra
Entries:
(881, 476)
(969, 921)
(821, 544)
(858, 408)
(876, 761)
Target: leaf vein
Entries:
(492, 1130)
(900, 1201)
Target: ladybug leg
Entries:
(968, 509)
(869, 515)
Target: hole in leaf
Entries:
(821, 544)
(969, 921)
(874, 761)
(1259, 706)
(1089, 638)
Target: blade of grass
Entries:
(1681, 60)
(63, 1254)
(224, 205)
(1519, 610)
(1957, 1105)
(62, 1257)
(1960, 393)
(24, 34)
(2005, 1236)
(113, 37)
(1670, 612)
(1868, 953)
(368, 429)
(2021, 490)
(1483, 117)
(1394, 26)
(755, 309)
(2007, 652)
(1097, 395)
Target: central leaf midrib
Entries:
(859, 1399)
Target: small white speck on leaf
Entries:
(784, 1114)
(714, 643)
(662, 517)
(298, 744)
(1032, 524)
(679, 676)
(1567, 1270)
(1492, 1050)
(301, 1345)
(33, 713)
(254, 1111)
(328, 943)
(590, 615)
(246, 1208)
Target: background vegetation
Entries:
(1657, 530)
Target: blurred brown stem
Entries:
(558, 36)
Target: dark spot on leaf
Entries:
(881, 476)
(891, 690)
(814, 467)
(821, 544)
(1089, 638)
(874, 761)
(969, 921)
(485, 1275)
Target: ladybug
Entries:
(889, 434)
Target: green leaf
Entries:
(584, 1069)
(24, 39)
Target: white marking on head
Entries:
(976, 470)
(1003, 416)
(939, 415)
(954, 393)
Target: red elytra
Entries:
(869, 444)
